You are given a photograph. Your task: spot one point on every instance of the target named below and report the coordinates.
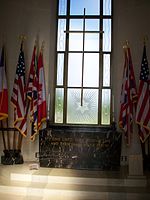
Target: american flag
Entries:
(128, 97)
(32, 93)
(3, 88)
(143, 105)
(42, 114)
(18, 97)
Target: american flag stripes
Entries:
(128, 97)
(143, 104)
(18, 97)
(3, 88)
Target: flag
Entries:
(42, 114)
(32, 93)
(128, 97)
(143, 104)
(32, 73)
(3, 88)
(18, 97)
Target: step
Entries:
(18, 182)
(69, 176)
(4, 196)
(72, 191)
(132, 182)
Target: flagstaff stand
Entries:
(11, 155)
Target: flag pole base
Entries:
(11, 157)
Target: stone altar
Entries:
(79, 147)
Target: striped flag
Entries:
(42, 114)
(32, 93)
(3, 88)
(18, 95)
(143, 104)
(128, 97)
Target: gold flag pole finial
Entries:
(126, 44)
(22, 38)
(42, 47)
(145, 39)
(37, 39)
(35, 42)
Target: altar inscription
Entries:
(80, 148)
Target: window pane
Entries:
(88, 112)
(105, 114)
(62, 7)
(61, 38)
(91, 70)
(59, 101)
(91, 6)
(92, 24)
(75, 42)
(91, 42)
(74, 69)
(107, 7)
(76, 24)
(106, 70)
(107, 35)
(60, 68)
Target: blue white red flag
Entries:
(3, 88)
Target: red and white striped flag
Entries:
(42, 113)
(18, 97)
(143, 105)
(32, 93)
(128, 97)
(3, 88)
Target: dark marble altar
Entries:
(96, 148)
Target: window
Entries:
(83, 82)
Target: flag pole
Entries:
(20, 138)
(14, 139)
(4, 141)
(35, 69)
(8, 136)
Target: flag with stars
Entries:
(128, 97)
(143, 105)
(18, 97)
(3, 88)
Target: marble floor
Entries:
(24, 182)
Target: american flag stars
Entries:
(145, 70)
(21, 65)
